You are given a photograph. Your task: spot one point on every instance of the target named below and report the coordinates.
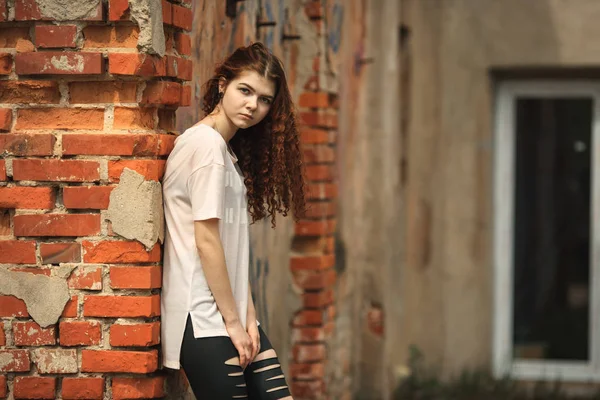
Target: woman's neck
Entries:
(219, 122)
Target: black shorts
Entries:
(203, 361)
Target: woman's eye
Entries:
(244, 90)
(266, 100)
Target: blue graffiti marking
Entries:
(258, 287)
(335, 33)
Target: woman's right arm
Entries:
(212, 256)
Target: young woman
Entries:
(242, 160)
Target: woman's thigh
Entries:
(264, 377)
(211, 365)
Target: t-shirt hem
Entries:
(171, 364)
(204, 333)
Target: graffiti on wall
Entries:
(259, 274)
(334, 35)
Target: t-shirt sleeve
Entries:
(206, 188)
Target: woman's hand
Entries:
(241, 341)
(252, 329)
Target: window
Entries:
(547, 231)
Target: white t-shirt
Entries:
(201, 181)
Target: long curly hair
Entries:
(269, 152)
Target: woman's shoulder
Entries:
(206, 144)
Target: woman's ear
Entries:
(222, 85)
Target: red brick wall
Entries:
(78, 104)
(313, 252)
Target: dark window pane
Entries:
(552, 228)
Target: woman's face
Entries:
(247, 99)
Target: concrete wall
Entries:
(447, 288)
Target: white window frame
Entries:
(504, 190)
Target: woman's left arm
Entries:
(251, 325)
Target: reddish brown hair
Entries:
(269, 152)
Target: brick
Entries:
(2, 335)
(20, 197)
(313, 263)
(118, 10)
(71, 308)
(135, 277)
(52, 36)
(59, 63)
(3, 388)
(60, 118)
(309, 280)
(135, 335)
(134, 118)
(307, 371)
(307, 389)
(303, 353)
(166, 144)
(57, 225)
(140, 362)
(11, 306)
(87, 278)
(162, 92)
(318, 154)
(121, 306)
(317, 299)
(34, 387)
(321, 191)
(33, 270)
(314, 228)
(182, 17)
(80, 333)
(27, 144)
(3, 17)
(150, 169)
(6, 63)
(11, 36)
(2, 171)
(31, 334)
(319, 119)
(166, 119)
(320, 209)
(56, 170)
(186, 96)
(56, 253)
(183, 44)
(120, 37)
(87, 197)
(314, 100)
(23, 92)
(308, 317)
(82, 388)
(167, 12)
(17, 252)
(55, 361)
(14, 361)
(138, 388)
(185, 69)
(314, 136)
(5, 119)
(136, 64)
(140, 145)
(102, 92)
(27, 10)
(119, 252)
(319, 172)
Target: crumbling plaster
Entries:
(136, 209)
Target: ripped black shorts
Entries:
(203, 361)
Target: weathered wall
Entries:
(88, 92)
(292, 272)
(447, 287)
